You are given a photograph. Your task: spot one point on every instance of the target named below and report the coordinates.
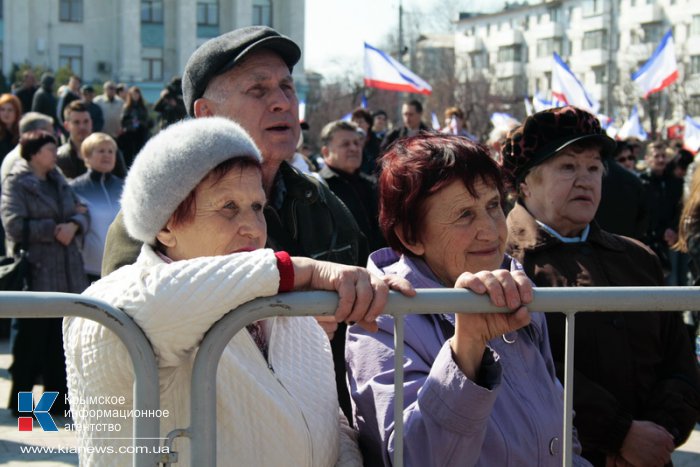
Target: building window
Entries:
(262, 12)
(547, 80)
(693, 106)
(70, 11)
(595, 39)
(553, 14)
(71, 57)
(601, 75)
(152, 64)
(479, 60)
(545, 47)
(208, 13)
(694, 66)
(592, 7)
(510, 53)
(151, 11)
(695, 26)
(652, 32)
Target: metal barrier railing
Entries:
(567, 300)
(146, 389)
(203, 392)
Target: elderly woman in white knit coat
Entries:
(194, 197)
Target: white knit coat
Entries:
(288, 416)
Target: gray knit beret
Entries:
(172, 164)
(222, 53)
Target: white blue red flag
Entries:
(540, 103)
(503, 120)
(434, 121)
(383, 72)
(632, 128)
(568, 90)
(660, 70)
(691, 135)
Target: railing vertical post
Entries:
(398, 390)
(567, 442)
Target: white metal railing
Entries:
(202, 430)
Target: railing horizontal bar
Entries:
(573, 299)
(146, 388)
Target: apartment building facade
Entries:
(143, 42)
(603, 42)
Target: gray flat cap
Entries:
(220, 54)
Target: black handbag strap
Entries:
(24, 246)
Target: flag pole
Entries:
(399, 57)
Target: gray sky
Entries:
(337, 29)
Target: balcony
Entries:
(640, 52)
(592, 57)
(469, 44)
(548, 30)
(692, 45)
(511, 36)
(594, 23)
(510, 69)
(541, 64)
(648, 13)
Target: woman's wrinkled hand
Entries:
(473, 330)
(361, 296)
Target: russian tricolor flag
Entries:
(632, 128)
(567, 89)
(383, 72)
(660, 70)
(691, 135)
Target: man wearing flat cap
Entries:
(245, 75)
(636, 382)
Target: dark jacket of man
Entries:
(359, 193)
(95, 111)
(44, 101)
(628, 366)
(664, 195)
(623, 206)
(69, 162)
(400, 132)
(26, 96)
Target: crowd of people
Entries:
(226, 202)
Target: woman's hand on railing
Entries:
(472, 331)
(361, 296)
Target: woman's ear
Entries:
(166, 236)
(416, 247)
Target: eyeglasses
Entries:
(628, 158)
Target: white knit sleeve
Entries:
(176, 303)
